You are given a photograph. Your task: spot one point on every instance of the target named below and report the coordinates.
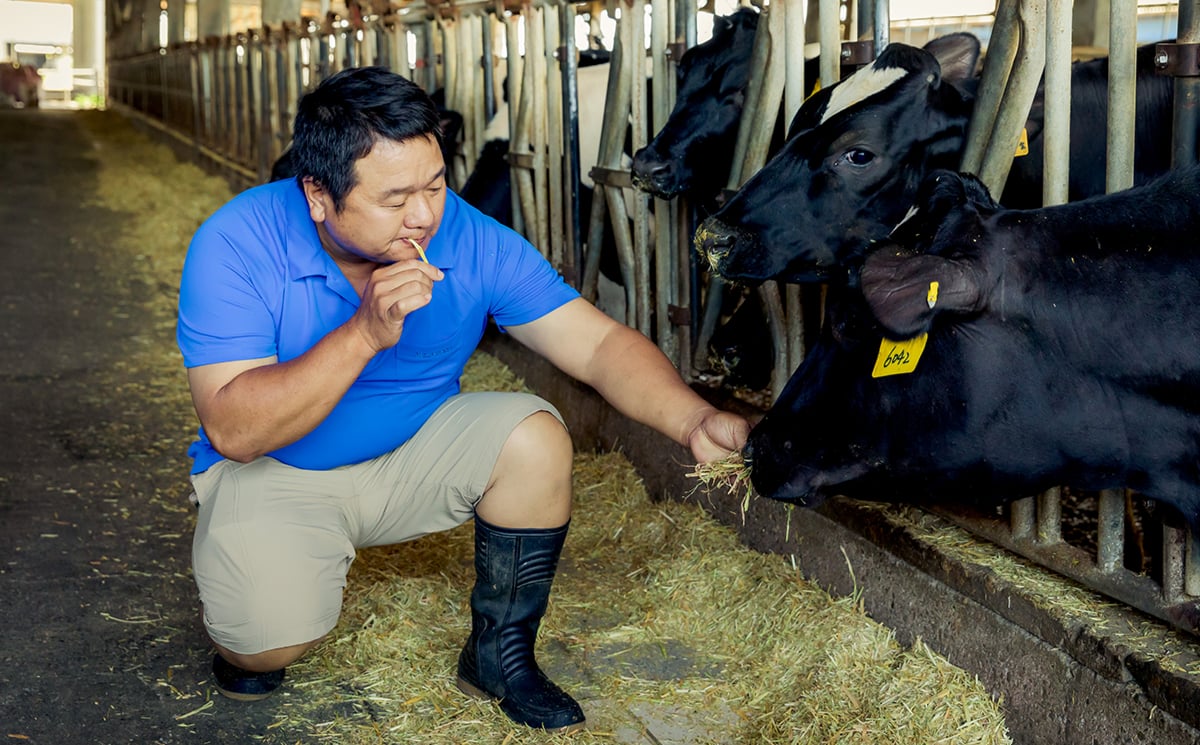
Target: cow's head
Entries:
(921, 385)
(693, 152)
(849, 171)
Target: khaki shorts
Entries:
(273, 543)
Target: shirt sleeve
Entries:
(223, 313)
(528, 286)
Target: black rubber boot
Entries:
(513, 572)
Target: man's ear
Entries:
(320, 204)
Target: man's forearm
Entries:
(265, 408)
(641, 383)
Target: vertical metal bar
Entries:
(772, 304)
(1018, 94)
(1002, 51)
(429, 51)
(641, 201)
(794, 87)
(573, 238)
(1122, 76)
(533, 104)
(662, 95)
(1172, 563)
(883, 23)
(553, 102)
(487, 29)
(1049, 516)
(521, 140)
(794, 315)
(1057, 133)
(758, 65)
(1110, 530)
(770, 95)
(864, 19)
(626, 52)
(795, 90)
(447, 29)
(265, 140)
(1022, 518)
(1191, 568)
(1186, 117)
(829, 33)
(513, 81)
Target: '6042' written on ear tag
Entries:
(899, 357)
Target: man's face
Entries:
(400, 195)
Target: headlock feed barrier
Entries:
(233, 98)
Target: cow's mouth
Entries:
(798, 489)
(802, 485)
(656, 183)
(715, 241)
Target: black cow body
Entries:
(856, 153)
(1062, 348)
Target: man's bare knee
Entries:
(531, 482)
(272, 659)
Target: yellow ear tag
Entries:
(899, 357)
(931, 296)
(1022, 144)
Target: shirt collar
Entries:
(305, 256)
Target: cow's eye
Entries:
(856, 157)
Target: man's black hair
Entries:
(343, 117)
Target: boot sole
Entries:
(478, 693)
(244, 696)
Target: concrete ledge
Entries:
(1062, 681)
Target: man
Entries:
(323, 357)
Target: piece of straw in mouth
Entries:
(420, 250)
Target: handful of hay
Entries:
(729, 473)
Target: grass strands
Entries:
(730, 473)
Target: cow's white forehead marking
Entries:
(860, 85)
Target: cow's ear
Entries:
(957, 54)
(905, 291)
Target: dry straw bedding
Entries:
(658, 611)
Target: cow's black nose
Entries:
(653, 177)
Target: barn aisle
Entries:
(666, 628)
(99, 618)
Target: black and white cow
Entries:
(856, 152)
(693, 151)
(988, 354)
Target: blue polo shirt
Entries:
(256, 283)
